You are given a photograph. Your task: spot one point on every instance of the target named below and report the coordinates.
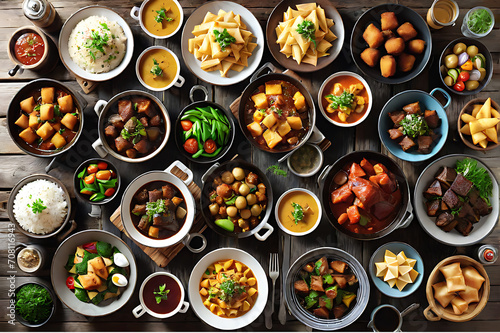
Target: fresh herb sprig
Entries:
(156, 69)
(308, 30)
(161, 294)
(277, 170)
(478, 176)
(155, 207)
(414, 125)
(162, 16)
(97, 43)
(342, 102)
(297, 213)
(224, 39)
(37, 206)
(479, 21)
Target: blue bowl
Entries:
(427, 102)
(410, 252)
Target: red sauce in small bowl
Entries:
(29, 48)
(165, 306)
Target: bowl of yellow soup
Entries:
(298, 212)
(158, 69)
(159, 18)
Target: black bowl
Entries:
(404, 14)
(76, 181)
(52, 296)
(482, 49)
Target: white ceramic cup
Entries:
(178, 80)
(136, 14)
(141, 309)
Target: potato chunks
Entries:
(388, 21)
(387, 66)
(28, 135)
(65, 103)
(299, 101)
(407, 31)
(255, 129)
(373, 36)
(45, 131)
(269, 120)
(33, 120)
(272, 138)
(395, 46)
(370, 56)
(48, 95)
(416, 46)
(69, 120)
(58, 140)
(283, 128)
(28, 104)
(46, 112)
(273, 89)
(23, 121)
(260, 101)
(99, 267)
(294, 122)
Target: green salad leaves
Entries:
(34, 303)
(414, 125)
(478, 176)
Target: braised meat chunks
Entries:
(461, 185)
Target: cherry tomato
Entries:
(109, 192)
(93, 168)
(459, 86)
(186, 125)
(102, 165)
(90, 247)
(103, 175)
(464, 76)
(70, 282)
(191, 145)
(90, 179)
(209, 146)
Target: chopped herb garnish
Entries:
(56, 111)
(61, 131)
(342, 102)
(37, 206)
(479, 21)
(224, 39)
(31, 41)
(104, 26)
(277, 170)
(478, 176)
(298, 212)
(161, 294)
(162, 16)
(308, 30)
(156, 70)
(97, 43)
(414, 125)
(135, 106)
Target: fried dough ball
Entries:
(416, 46)
(406, 62)
(387, 66)
(372, 36)
(388, 34)
(370, 56)
(395, 46)
(407, 31)
(388, 21)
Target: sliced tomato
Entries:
(90, 247)
(102, 165)
(186, 125)
(209, 146)
(70, 282)
(191, 145)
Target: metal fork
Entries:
(274, 273)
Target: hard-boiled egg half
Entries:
(120, 260)
(119, 280)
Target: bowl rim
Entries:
(141, 23)
(467, 142)
(321, 155)
(52, 295)
(138, 64)
(277, 205)
(328, 80)
(414, 286)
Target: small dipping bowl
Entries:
(285, 218)
(306, 161)
(165, 58)
(147, 12)
(30, 258)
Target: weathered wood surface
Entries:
(16, 165)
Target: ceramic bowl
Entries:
(323, 104)
(177, 81)
(321, 158)
(59, 274)
(453, 238)
(467, 139)
(410, 252)
(70, 24)
(194, 289)
(137, 13)
(53, 297)
(318, 218)
(435, 311)
(427, 102)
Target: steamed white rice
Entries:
(51, 218)
(90, 59)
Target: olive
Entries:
(483, 74)
(451, 61)
(448, 81)
(227, 177)
(231, 211)
(241, 202)
(246, 214)
(256, 210)
(459, 48)
(472, 50)
(238, 173)
(251, 199)
(244, 189)
(471, 85)
(214, 209)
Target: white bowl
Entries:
(178, 80)
(59, 274)
(368, 90)
(453, 238)
(194, 289)
(320, 212)
(68, 27)
(136, 14)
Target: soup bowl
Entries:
(143, 67)
(183, 235)
(161, 310)
(281, 218)
(150, 6)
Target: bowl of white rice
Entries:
(96, 43)
(39, 205)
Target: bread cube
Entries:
(58, 140)
(23, 121)
(46, 112)
(33, 120)
(28, 104)
(65, 103)
(45, 131)
(28, 135)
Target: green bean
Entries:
(198, 153)
(215, 153)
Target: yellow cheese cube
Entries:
(46, 112)
(294, 122)
(47, 94)
(272, 138)
(299, 101)
(33, 120)
(269, 120)
(273, 89)
(260, 101)
(255, 129)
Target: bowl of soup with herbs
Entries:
(345, 99)
(159, 18)
(158, 69)
(298, 212)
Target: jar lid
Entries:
(34, 9)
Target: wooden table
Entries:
(16, 165)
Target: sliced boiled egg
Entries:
(120, 260)
(119, 280)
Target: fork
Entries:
(274, 273)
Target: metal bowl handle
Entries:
(430, 314)
(180, 81)
(99, 106)
(322, 175)
(184, 169)
(445, 94)
(99, 148)
(209, 171)
(268, 233)
(201, 88)
(134, 13)
(189, 237)
(406, 222)
(269, 66)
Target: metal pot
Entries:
(103, 109)
(325, 180)
(207, 180)
(255, 82)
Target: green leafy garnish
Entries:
(308, 30)
(97, 43)
(33, 303)
(37, 108)
(156, 70)
(277, 170)
(478, 176)
(311, 299)
(342, 102)
(31, 41)
(104, 26)
(104, 249)
(328, 279)
(37, 206)
(138, 131)
(297, 213)
(155, 207)
(414, 125)
(224, 39)
(227, 288)
(56, 111)
(161, 294)
(479, 21)
(162, 15)
(278, 111)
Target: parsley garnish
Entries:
(31, 41)
(104, 26)
(414, 125)
(137, 133)
(224, 39)
(161, 294)
(342, 102)
(227, 290)
(61, 131)
(162, 15)
(135, 106)
(278, 111)
(308, 30)
(97, 42)
(37, 206)
(155, 207)
(277, 170)
(56, 111)
(156, 70)
(298, 212)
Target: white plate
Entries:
(70, 24)
(233, 76)
(194, 289)
(453, 238)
